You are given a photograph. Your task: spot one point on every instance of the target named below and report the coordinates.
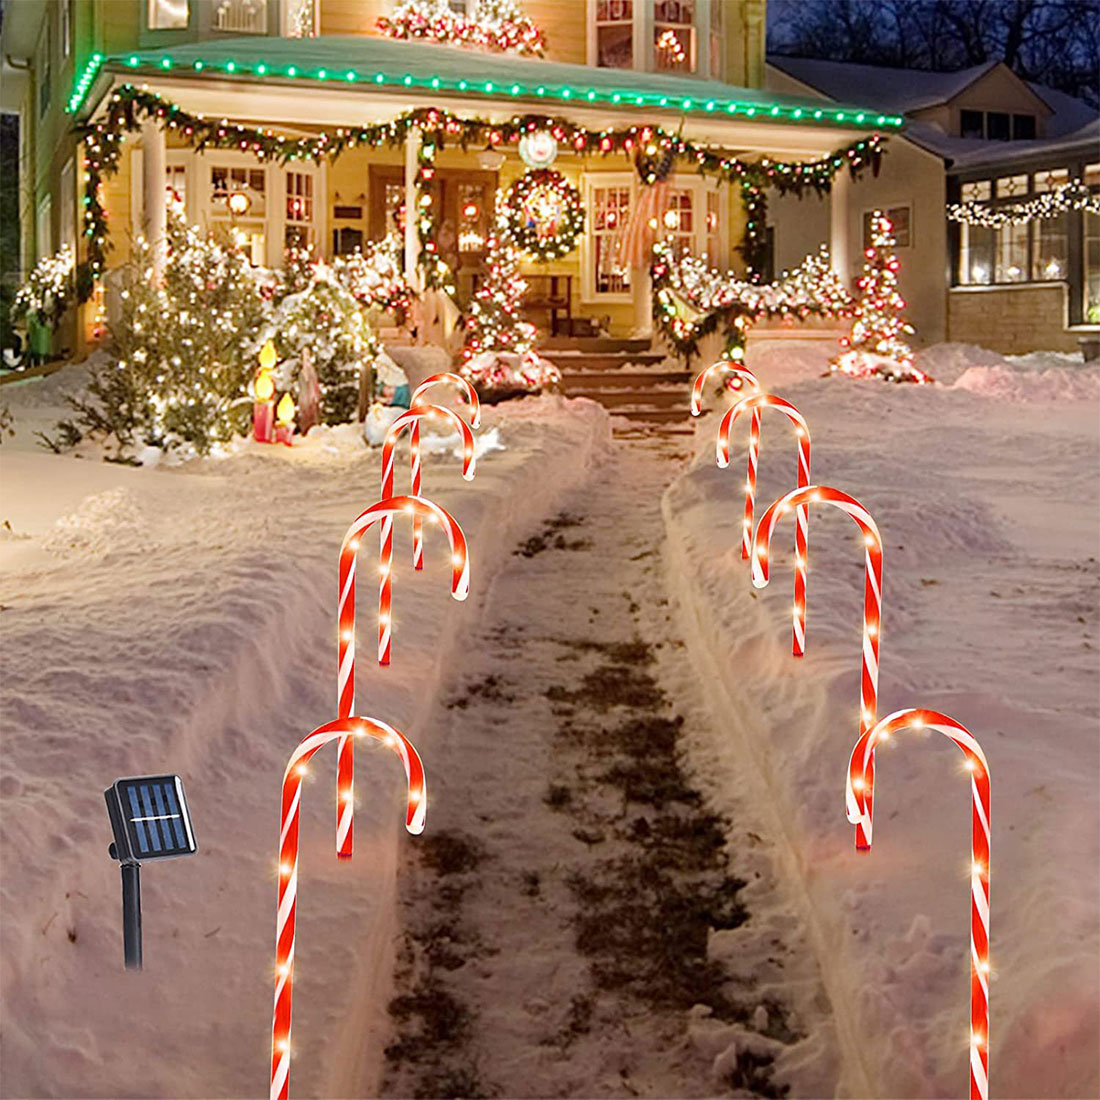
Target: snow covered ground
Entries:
(984, 489)
(182, 619)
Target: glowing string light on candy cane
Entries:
(858, 793)
(742, 373)
(757, 402)
(288, 863)
(414, 444)
(872, 597)
(345, 645)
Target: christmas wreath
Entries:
(543, 213)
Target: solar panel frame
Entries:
(149, 818)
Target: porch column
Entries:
(412, 240)
(153, 164)
(839, 229)
(641, 288)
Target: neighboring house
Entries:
(303, 66)
(979, 136)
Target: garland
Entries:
(128, 106)
(691, 300)
(527, 231)
(1070, 196)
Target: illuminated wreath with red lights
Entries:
(543, 213)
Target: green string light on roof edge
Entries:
(794, 114)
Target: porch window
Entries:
(609, 208)
(237, 200)
(241, 16)
(674, 36)
(1011, 256)
(394, 201)
(168, 15)
(1092, 268)
(299, 210)
(975, 268)
(175, 188)
(615, 34)
(679, 221)
(299, 18)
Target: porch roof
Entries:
(379, 66)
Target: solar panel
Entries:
(149, 817)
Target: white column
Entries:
(641, 288)
(412, 213)
(155, 220)
(839, 225)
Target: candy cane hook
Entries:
(743, 373)
(414, 444)
(345, 645)
(411, 420)
(416, 808)
(758, 402)
(872, 591)
(858, 794)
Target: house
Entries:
(994, 190)
(312, 144)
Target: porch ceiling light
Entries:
(264, 69)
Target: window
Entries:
(615, 34)
(1011, 254)
(346, 240)
(998, 126)
(44, 227)
(714, 228)
(674, 36)
(1051, 249)
(241, 16)
(65, 19)
(395, 206)
(900, 218)
(168, 15)
(609, 208)
(67, 233)
(1092, 268)
(175, 188)
(976, 248)
(236, 200)
(299, 210)
(978, 191)
(679, 221)
(299, 18)
(1023, 127)
(45, 67)
(473, 217)
(972, 124)
(1011, 187)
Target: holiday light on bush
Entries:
(48, 290)
(390, 509)
(287, 905)
(497, 25)
(374, 277)
(1075, 195)
(858, 795)
(872, 591)
(543, 215)
(876, 347)
(757, 402)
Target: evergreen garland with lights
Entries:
(374, 277)
(543, 215)
(877, 347)
(497, 25)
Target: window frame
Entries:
(592, 181)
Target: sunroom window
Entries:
(241, 16)
(615, 34)
(674, 35)
(168, 15)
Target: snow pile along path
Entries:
(990, 614)
(184, 620)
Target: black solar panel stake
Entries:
(149, 820)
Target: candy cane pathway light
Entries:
(345, 644)
(288, 863)
(858, 793)
(149, 820)
(470, 393)
(743, 373)
(757, 402)
(872, 594)
(411, 420)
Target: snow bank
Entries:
(183, 620)
(990, 614)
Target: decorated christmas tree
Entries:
(877, 347)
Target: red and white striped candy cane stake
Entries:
(872, 596)
(743, 373)
(414, 444)
(757, 402)
(858, 793)
(411, 420)
(345, 644)
(288, 863)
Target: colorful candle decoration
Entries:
(414, 444)
(345, 645)
(411, 420)
(742, 373)
(284, 415)
(757, 402)
(416, 808)
(872, 594)
(263, 407)
(858, 794)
